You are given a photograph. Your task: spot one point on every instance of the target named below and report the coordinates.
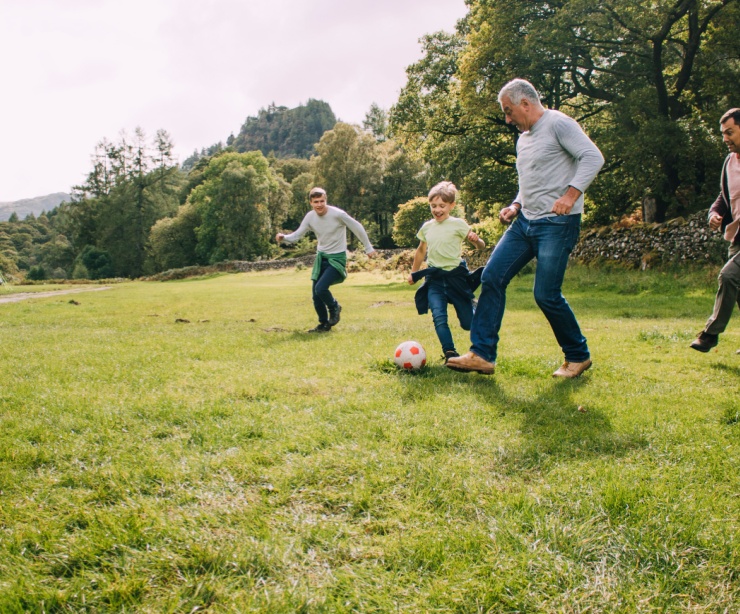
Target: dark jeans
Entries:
(728, 294)
(438, 301)
(550, 240)
(322, 298)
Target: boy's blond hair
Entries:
(446, 190)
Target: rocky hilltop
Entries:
(32, 205)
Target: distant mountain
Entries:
(32, 205)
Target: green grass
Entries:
(234, 463)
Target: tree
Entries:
(473, 150)
(57, 253)
(402, 178)
(132, 185)
(234, 203)
(172, 240)
(376, 122)
(97, 263)
(299, 203)
(643, 78)
(348, 167)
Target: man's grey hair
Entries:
(517, 90)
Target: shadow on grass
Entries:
(554, 425)
(277, 335)
(732, 369)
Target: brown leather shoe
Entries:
(704, 342)
(471, 362)
(572, 369)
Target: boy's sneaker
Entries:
(321, 328)
(704, 342)
(450, 354)
(334, 315)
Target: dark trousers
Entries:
(728, 294)
(323, 301)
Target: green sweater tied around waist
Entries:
(338, 261)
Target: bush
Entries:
(97, 261)
(36, 273)
(386, 242)
(490, 230)
(410, 217)
(80, 271)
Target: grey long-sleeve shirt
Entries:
(331, 230)
(553, 154)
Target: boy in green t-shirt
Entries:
(447, 279)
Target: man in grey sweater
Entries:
(556, 162)
(329, 224)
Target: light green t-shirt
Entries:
(444, 241)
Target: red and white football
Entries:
(410, 355)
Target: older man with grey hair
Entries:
(555, 162)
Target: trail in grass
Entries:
(15, 298)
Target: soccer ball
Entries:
(410, 356)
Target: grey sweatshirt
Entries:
(331, 230)
(553, 154)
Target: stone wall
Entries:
(643, 246)
(647, 245)
(388, 259)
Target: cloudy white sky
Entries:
(76, 71)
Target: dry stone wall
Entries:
(677, 241)
(647, 245)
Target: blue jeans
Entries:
(550, 240)
(438, 299)
(322, 298)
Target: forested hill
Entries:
(280, 131)
(286, 133)
(32, 205)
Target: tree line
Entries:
(138, 212)
(648, 80)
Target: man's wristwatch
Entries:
(518, 208)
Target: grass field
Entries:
(233, 463)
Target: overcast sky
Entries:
(76, 71)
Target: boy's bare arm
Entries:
(476, 240)
(421, 251)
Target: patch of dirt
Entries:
(396, 303)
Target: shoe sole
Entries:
(702, 349)
(466, 370)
